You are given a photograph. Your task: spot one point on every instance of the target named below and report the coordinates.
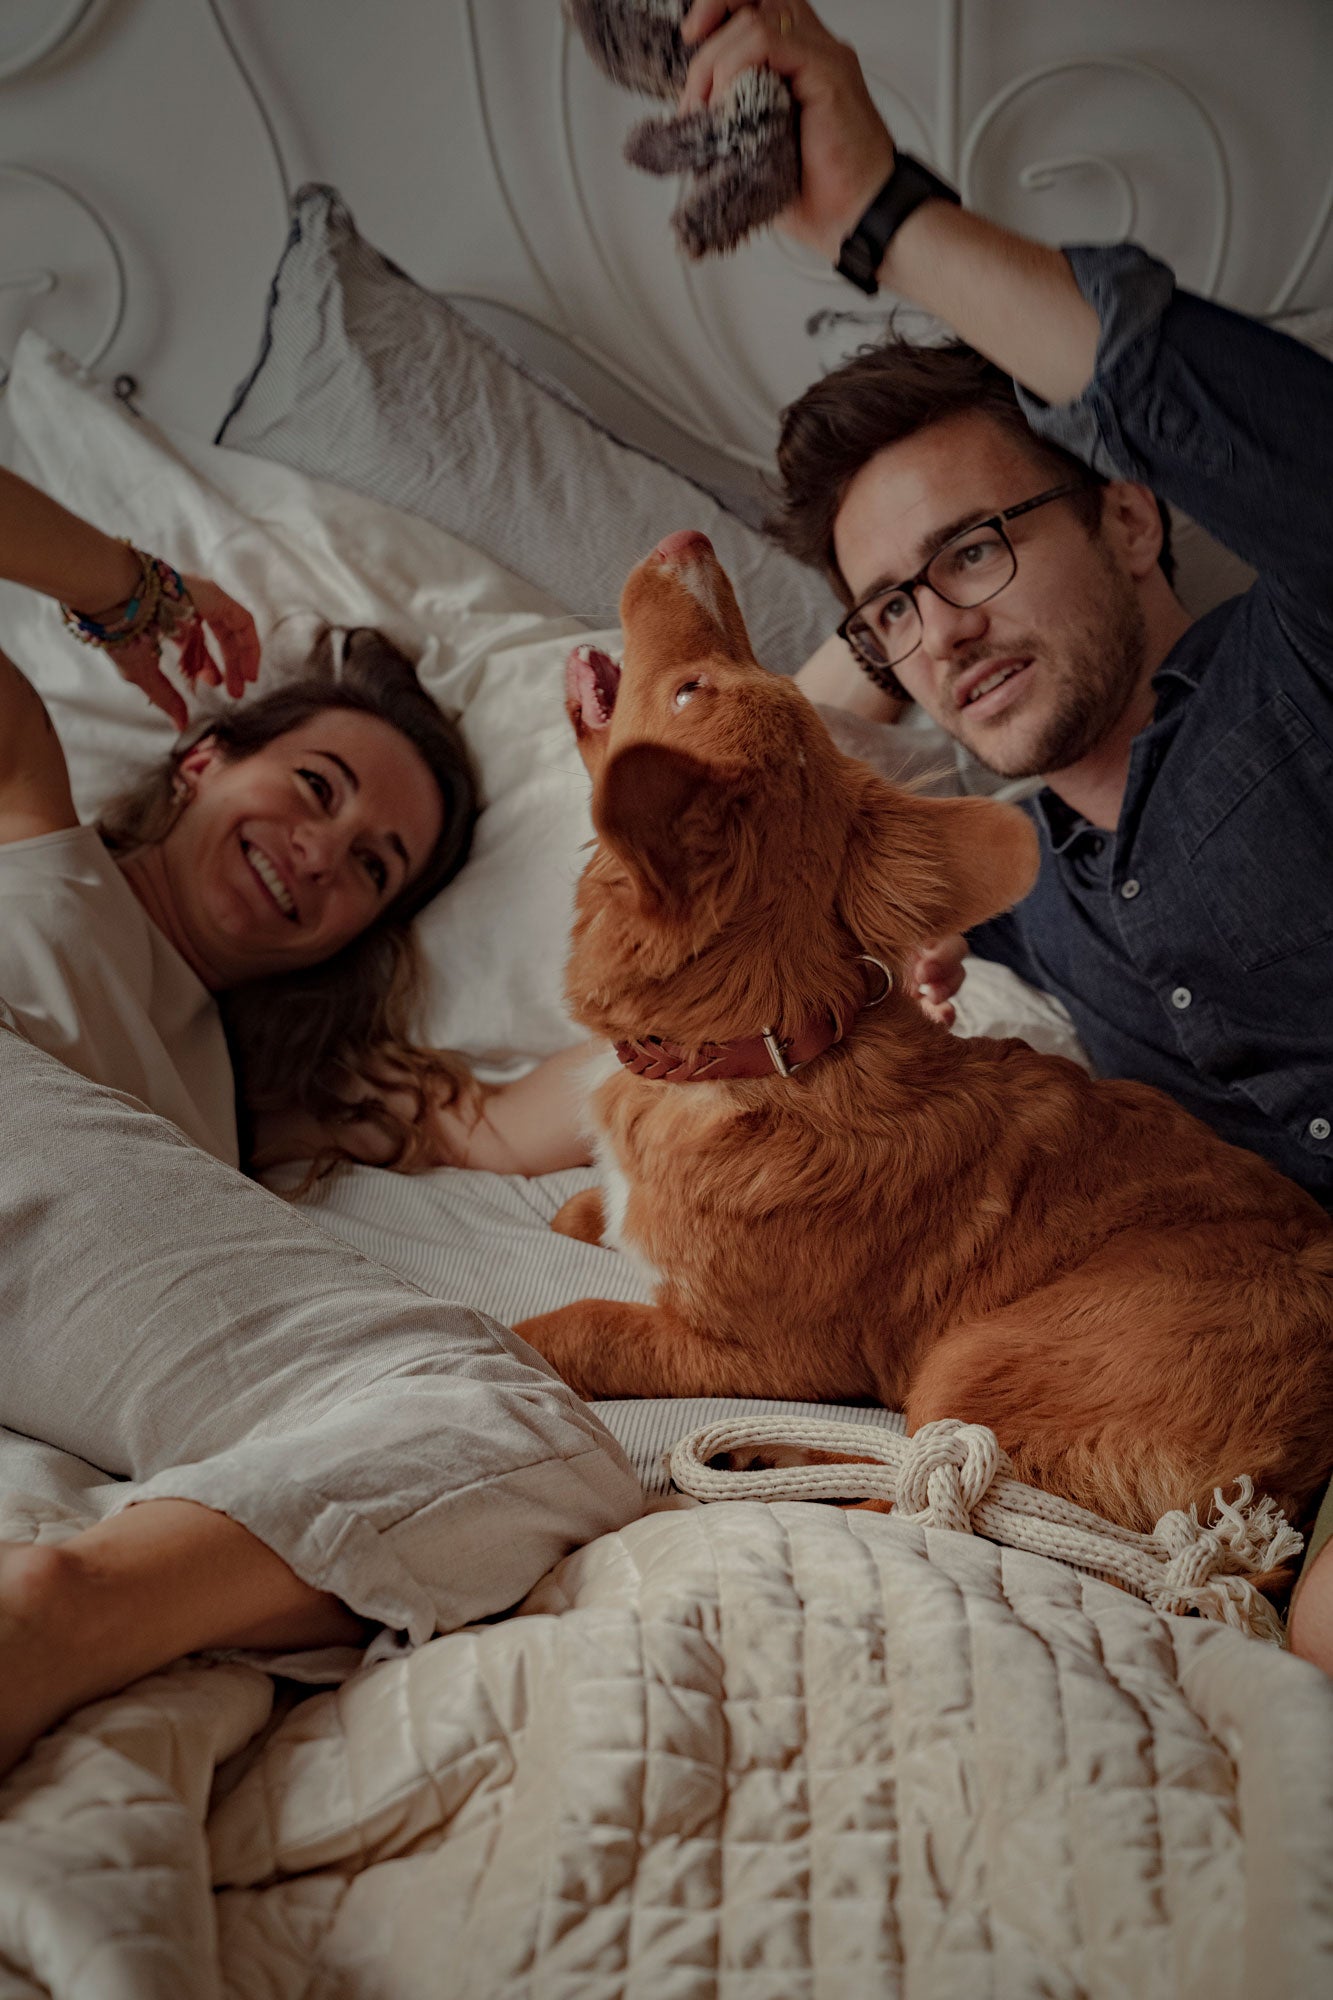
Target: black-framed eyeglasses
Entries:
(973, 566)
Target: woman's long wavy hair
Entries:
(336, 1040)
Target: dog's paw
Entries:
(582, 1217)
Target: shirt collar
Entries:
(1185, 665)
(1175, 679)
(1063, 825)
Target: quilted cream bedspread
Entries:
(758, 1753)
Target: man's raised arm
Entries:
(1225, 418)
(1015, 301)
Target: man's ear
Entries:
(1132, 524)
(662, 813)
(921, 868)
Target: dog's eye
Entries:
(686, 692)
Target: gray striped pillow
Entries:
(365, 378)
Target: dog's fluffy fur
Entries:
(954, 1228)
(741, 156)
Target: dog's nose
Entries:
(684, 547)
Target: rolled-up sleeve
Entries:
(1227, 419)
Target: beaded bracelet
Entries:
(160, 607)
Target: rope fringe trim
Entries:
(951, 1474)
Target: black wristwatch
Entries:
(907, 187)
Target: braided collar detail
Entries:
(759, 1055)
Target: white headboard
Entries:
(150, 143)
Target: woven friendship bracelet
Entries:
(954, 1475)
(160, 606)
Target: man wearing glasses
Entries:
(990, 515)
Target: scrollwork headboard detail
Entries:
(1105, 141)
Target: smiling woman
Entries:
(284, 849)
(247, 906)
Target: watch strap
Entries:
(903, 192)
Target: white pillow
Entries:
(299, 551)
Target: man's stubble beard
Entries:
(1099, 664)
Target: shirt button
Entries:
(1181, 997)
(1129, 890)
(1320, 1128)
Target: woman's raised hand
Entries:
(144, 601)
(846, 151)
(232, 662)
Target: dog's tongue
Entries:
(591, 680)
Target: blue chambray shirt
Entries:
(1194, 945)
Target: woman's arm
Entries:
(531, 1126)
(46, 548)
(831, 675)
(34, 781)
(49, 549)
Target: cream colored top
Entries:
(88, 976)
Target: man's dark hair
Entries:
(882, 395)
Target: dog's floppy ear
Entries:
(663, 813)
(921, 868)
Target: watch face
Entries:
(858, 262)
(860, 258)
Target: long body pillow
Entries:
(169, 1321)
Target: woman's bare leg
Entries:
(86, 1617)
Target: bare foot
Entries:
(47, 1667)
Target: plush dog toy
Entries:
(741, 153)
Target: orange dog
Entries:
(954, 1228)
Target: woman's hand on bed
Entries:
(846, 151)
(937, 975)
(232, 661)
(531, 1126)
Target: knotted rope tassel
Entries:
(950, 1474)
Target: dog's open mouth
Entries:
(592, 679)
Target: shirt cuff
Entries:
(1130, 293)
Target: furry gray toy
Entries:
(742, 153)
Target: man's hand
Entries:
(1015, 301)
(937, 976)
(846, 151)
(139, 660)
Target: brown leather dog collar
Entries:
(766, 1054)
